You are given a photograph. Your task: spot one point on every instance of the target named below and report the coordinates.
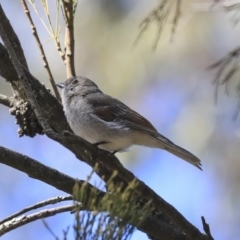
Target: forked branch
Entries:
(21, 221)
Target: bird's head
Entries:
(77, 86)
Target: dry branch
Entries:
(38, 205)
(206, 228)
(36, 170)
(54, 33)
(68, 9)
(6, 101)
(21, 221)
(43, 55)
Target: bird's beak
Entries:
(60, 85)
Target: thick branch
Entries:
(16, 45)
(7, 69)
(36, 170)
(52, 109)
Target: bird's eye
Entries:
(75, 82)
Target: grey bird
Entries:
(110, 124)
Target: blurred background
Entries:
(170, 86)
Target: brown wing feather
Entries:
(110, 109)
(139, 120)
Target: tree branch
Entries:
(6, 101)
(7, 69)
(226, 68)
(17, 46)
(152, 225)
(54, 33)
(206, 228)
(69, 37)
(44, 58)
(20, 221)
(53, 111)
(36, 170)
(160, 17)
(38, 205)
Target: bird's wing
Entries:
(111, 110)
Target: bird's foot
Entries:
(113, 153)
(99, 143)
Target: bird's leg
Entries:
(113, 153)
(99, 143)
(104, 142)
(97, 147)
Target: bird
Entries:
(110, 124)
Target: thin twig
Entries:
(32, 2)
(38, 205)
(75, 3)
(176, 18)
(17, 222)
(161, 20)
(6, 101)
(49, 229)
(53, 33)
(206, 228)
(155, 15)
(226, 68)
(160, 16)
(65, 233)
(43, 55)
(69, 37)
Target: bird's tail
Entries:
(179, 152)
(162, 142)
(185, 155)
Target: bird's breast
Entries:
(116, 137)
